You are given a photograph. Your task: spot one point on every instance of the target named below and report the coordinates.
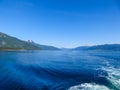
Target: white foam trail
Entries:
(113, 76)
(89, 86)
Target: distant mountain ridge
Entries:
(11, 43)
(114, 47)
(45, 47)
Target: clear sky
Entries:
(62, 23)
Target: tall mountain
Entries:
(8, 42)
(113, 47)
(11, 43)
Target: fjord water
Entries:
(60, 70)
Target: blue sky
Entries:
(62, 23)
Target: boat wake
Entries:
(89, 86)
(113, 78)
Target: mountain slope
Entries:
(113, 47)
(45, 47)
(8, 42)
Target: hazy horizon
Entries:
(62, 23)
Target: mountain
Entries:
(45, 47)
(113, 47)
(81, 48)
(11, 43)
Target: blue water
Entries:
(59, 70)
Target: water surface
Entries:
(59, 70)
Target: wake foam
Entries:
(89, 86)
(113, 76)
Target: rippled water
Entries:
(59, 70)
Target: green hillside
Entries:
(7, 42)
